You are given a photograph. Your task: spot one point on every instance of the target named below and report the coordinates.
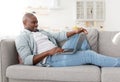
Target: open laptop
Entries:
(78, 45)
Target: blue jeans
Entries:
(83, 56)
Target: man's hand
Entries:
(79, 30)
(76, 31)
(55, 50)
(39, 57)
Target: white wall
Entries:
(112, 17)
(66, 15)
(63, 17)
(11, 16)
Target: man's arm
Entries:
(40, 57)
(79, 30)
(25, 52)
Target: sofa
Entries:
(100, 41)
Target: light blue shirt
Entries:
(26, 45)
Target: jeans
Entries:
(83, 56)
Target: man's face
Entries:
(31, 23)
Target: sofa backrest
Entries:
(0, 68)
(8, 56)
(106, 45)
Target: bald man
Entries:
(38, 47)
(30, 22)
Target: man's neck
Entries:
(35, 30)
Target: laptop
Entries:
(77, 47)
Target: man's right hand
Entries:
(55, 50)
(39, 57)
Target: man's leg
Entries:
(71, 42)
(85, 45)
(83, 57)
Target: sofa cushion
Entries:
(92, 37)
(110, 74)
(106, 44)
(76, 73)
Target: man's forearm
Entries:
(79, 30)
(71, 33)
(39, 57)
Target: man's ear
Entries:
(24, 22)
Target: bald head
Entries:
(30, 21)
(27, 16)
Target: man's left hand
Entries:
(76, 31)
(79, 30)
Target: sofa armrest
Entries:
(8, 56)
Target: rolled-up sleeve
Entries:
(24, 50)
(29, 60)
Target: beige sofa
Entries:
(101, 42)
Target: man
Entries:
(38, 47)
